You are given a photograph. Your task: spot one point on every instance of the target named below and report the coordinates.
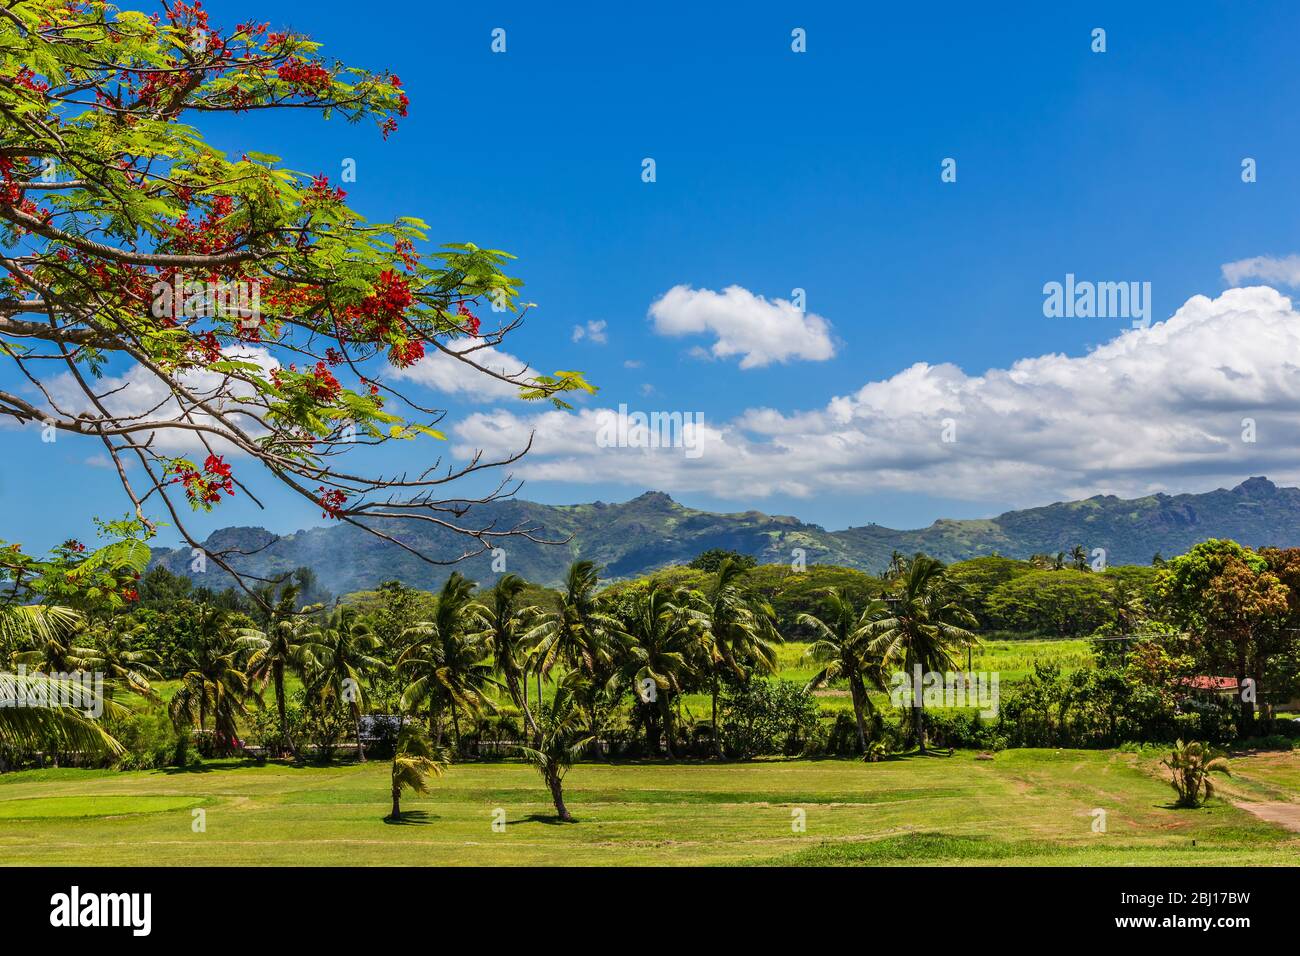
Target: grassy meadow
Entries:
(1028, 807)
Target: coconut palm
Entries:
(510, 631)
(447, 662)
(214, 685)
(414, 762)
(55, 715)
(841, 644)
(58, 720)
(739, 632)
(31, 625)
(574, 635)
(580, 635)
(277, 650)
(562, 740)
(920, 626)
(1079, 557)
(342, 655)
(48, 638)
(113, 655)
(661, 642)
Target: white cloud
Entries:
(1284, 271)
(592, 331)
(747, 325)
(1154, 409)
(442, 373)
(139, 392)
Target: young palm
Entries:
(277, 650)
(562, 739)
(1191, 765)
(661, 641)
(213, 684)
(842, 646)
(414, 762)
(920, 627)
(446, 662)
(739, 633)
(510, 630)
(343, 659)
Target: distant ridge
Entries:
(633, 537)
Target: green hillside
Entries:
(652, 531)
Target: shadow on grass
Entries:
(548, 818)
(241, 763)
(412, 818)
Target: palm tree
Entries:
(561, 741)
(113, 656)
(278, 649)
(510, 630)
(582, 636)
(1079, 557)
(343, 658)
(414, 762)
(737, 630)
(49, 638)
(214, 684)
(661, 641)
(62, 723)
(49, 714)
(574, 634)
(1127, 606)
(920, 626)
(24, 625)
(842, 645)
(447, 660)
(897, 566)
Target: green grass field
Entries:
(1023, 807)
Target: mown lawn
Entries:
(1023, 807)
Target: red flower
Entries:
(332, 501)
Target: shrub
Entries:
(768, 717)
(151, 742)
(1191, 765)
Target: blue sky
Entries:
(819, 171)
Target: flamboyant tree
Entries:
(254, 317)
(1232, 605)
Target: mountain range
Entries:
(651, 531)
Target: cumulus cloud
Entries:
(1160, 408)
(592, 331)
(1283, 271)
(442, 373)
(139, 393)
(744, 324)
